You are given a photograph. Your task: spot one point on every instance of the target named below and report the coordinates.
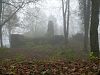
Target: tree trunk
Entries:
(64, 19)
(65, 35)
(86, 23)
(0, 8)
(0, 24)
(10, 37)
(1, 37)
(94, 43)
(9, 31)
(68, 16)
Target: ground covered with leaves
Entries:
(55, 67)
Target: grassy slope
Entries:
(42, 52)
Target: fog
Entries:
(34, 17)
(49, 37)
(53, 7)
(47, 8)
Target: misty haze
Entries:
(49, 37)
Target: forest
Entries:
(49, 37)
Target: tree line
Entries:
(90, 18)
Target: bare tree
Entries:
(85, 15)
(20, 5)
(35, 22)
(94, 27)
(68, 18)
(86, 23)
(6, 20)
(0, 23)
(65, 9)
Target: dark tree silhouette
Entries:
(84, 6)
(86, 23)
(68, 19)
(0, 23)
(94, 27)
(66, 11)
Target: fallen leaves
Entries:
(77, 67)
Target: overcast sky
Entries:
(53, 7)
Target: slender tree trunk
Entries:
(65, 33)
(1, 37)
(10, 37)
(9, 31)
(0, 8)
(64, 19)
(68, 16)
(64, 11)
(94, 28)
(86, 23)
(0, 24)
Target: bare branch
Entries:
(20, 6)
(11, 15)
(9, 4)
